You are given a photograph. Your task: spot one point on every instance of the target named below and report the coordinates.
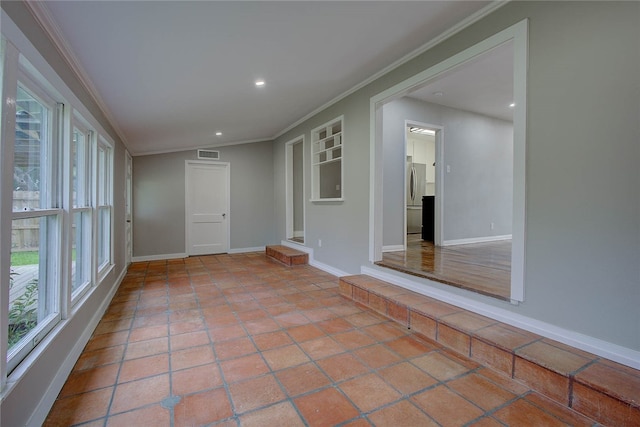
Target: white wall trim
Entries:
(312, 262)
(476, 240)
(245, 250)
(298, 246)
(158, 257)
(393, 248)
(49, 397)
(327, 268)
(201, 147)
(596, 346)
(289, 184)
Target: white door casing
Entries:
(127, 211)
(293, 210)
(207, 190)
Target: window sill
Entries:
(338, 199)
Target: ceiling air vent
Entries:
(208, 155)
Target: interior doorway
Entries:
(422, 192)
(459, 76)
(128, 226)
(294, 159)
(207, 206)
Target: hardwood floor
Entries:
(479, 267)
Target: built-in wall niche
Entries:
(326, 161)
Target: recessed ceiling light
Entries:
(218, 133)
(259, 83)
(513, 104)
(438, 93)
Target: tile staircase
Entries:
(598, 388)
(286, 255)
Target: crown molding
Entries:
(491, 7)
(43, 16)
(200, 147)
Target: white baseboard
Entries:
(393, 248)
(298, 246)
(476, 240)
(158, 257)
(327, 268)
(62, 374)
(312, 262)
(623, 355)
(245, 250)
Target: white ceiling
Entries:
(172, 73)
(482, 85)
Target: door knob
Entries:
(224, 215)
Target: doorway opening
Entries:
(458, 94)
(128, 217)
(422, 147)
(294, 159)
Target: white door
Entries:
(127, 208)
(207, 207)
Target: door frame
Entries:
(187, 194)
(128, 201)
(438, 219)
(518, 33)
(289, 215)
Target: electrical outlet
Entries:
(448, 168)
(319, 243)
(493, 225)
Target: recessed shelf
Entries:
(326, 161)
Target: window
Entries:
(34, 304)
(326, 162)
(81, 211)
(103, 204)
(57, 206)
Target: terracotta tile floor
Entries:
(238, 340)
(484, 268)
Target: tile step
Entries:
(598, 388)
(286, 255)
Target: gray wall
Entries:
(159, 199)
(342, 226)
(39, 383)
(477, 191)
(583, 205)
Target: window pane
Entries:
(31, 149)
(81, 251)
(80, 169)
(104, 220)
(31, 287)
(102, 164)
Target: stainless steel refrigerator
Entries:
(416, 188)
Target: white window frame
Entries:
(34, 73)
(104, 201)
(83, 206)
(52, 198)
(321, 155)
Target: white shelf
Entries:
(326, 150)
